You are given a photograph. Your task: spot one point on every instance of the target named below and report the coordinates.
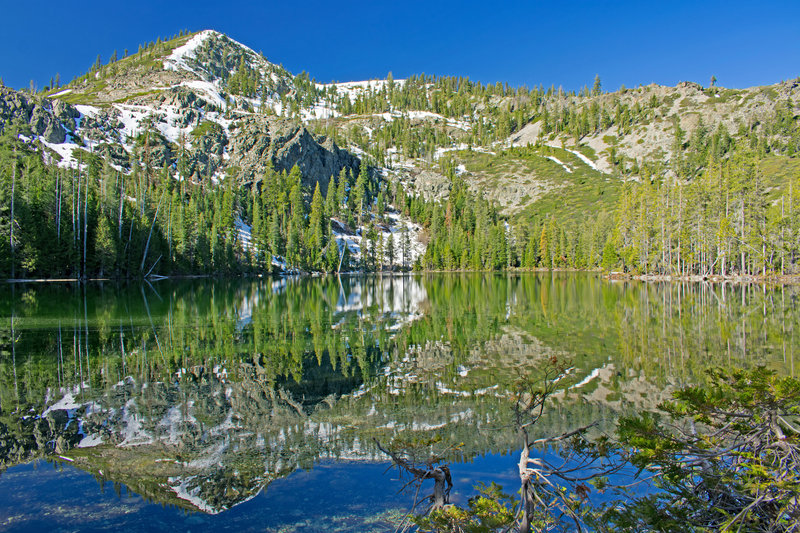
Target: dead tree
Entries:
(550, 493)
(406, 458)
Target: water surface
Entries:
(254, 405)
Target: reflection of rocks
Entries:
(35, 436)
(202, 441)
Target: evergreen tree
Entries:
(390, 251)
(596, 86)
(317, 230)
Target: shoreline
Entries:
(716, 279)
(610, 276)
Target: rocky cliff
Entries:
(261, 143)
(50, 119)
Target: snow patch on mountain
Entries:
(177, 60)
(207, 89)
(424, 115)
(244, 232)
(353, 89)
(87, 110)
(395, 225)
(65, 151)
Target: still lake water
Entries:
(253, 405)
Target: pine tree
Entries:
(275, 235)
(360, 198)
(330, 201)
(316, 229)
(390, 251)
(596, 86)
(544, 252)
(341, 194)
(405, 247)
(105, 249)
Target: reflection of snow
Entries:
(133, 434)
(174, 419)
(181, 488)
(398, 299)
(66, 403)
(587, 379)
(91, 440)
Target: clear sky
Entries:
(742, 43)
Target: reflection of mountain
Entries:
(203, 438)
(200, 395)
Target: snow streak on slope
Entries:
(556, 160)
(583, 158)
(397, 225)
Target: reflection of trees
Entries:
(212, 390)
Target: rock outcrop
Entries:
(51, 120)
(260, 143)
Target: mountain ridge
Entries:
(205, 110)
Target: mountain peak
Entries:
(212, 55)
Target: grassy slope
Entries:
(570, 196)
(88, 88)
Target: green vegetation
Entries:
(98, 221)
(727, 458)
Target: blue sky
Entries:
(532, 43)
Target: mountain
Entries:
(184, 95)
(492, 176)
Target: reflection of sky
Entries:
(348, 496)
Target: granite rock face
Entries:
(48, 119)
(260, 143)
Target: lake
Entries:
(237, 405)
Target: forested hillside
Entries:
(197, 155)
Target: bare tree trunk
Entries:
(742, 234)
(121, 204)
(11, 233)
(526, 490)
(14, 348)
(442, 480)
(85, 222)
(169, 231)
(78, 207)
(72, 206)
(147, 246)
